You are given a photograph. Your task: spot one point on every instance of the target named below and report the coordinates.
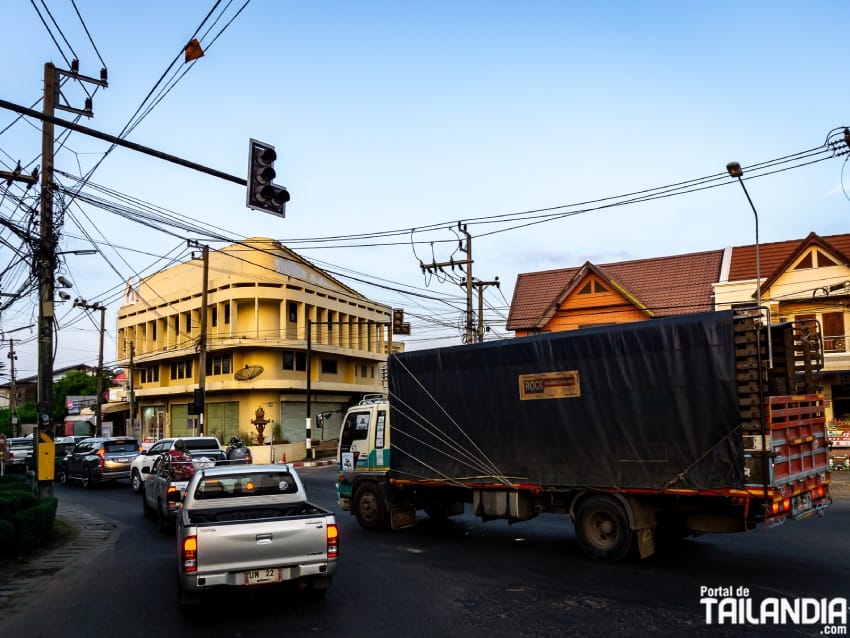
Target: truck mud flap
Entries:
(402, 517)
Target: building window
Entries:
(293, 312)
(329, 366)
(833, 332)
(153, 330)
(149, 374)
(592, 287)
(214, 316)
(188, 323)
(227, 314)
(294, 360)
(363, 371)
(181, 369)
(220, 364)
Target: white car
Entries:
(199, 447)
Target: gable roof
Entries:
(777, 257)
(806, 244)
(660, 286)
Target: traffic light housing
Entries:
(197, 404)
(399, 326)
(262, 193)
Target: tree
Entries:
(75, 382)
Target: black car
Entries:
(95, 460)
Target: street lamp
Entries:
(734, 170)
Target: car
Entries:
(18, 453)
(62, 447)
(98, 459)
(197, 446)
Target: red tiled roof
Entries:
(675, 285)
(773, 255)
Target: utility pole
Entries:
(469, 331)
(13, 391)
(98, 419)
(130, 397)
(45, 260)
(481, 285)
(199, 398)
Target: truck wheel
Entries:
(370, 509)
(136, 481)
(63, 476)
(602, 528)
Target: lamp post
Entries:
(734, 170)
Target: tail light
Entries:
(189, 554)
(333, 541)
(172, 493)
(248, 456)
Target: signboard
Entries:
(549, 385)
(76, 402)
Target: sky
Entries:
(395, 123)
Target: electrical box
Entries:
(46, 457)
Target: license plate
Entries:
(262, 576)
(121, 459)
(802, 503)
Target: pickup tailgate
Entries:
(251, 544)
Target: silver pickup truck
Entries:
(251, 525)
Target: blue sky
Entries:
(398, 116)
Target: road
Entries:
(465, 578)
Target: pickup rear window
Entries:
(201, 444)
(246, 485)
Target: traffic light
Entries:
(197, 404)
(262, 193)
(399, 326)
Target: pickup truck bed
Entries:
(249, 525)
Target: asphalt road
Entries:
(465, 579)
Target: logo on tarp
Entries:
(549, 385)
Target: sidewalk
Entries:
(25, 577)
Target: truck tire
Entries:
(602, 528)
(62, 475)
(136, 482)
(370, 509)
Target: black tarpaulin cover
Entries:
(656, 408)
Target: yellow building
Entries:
(271, 316)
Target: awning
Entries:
(117, 406)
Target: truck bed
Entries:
(667, 404)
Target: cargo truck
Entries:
(665, 428)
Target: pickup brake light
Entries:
(189, 554)
(333, 541)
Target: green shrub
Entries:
(33, 525)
